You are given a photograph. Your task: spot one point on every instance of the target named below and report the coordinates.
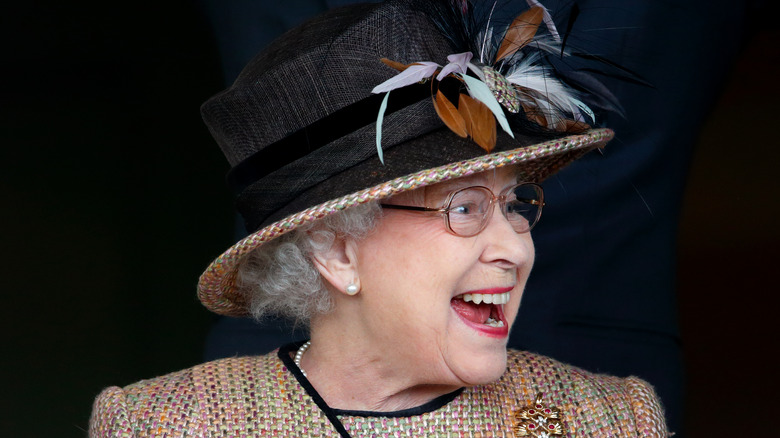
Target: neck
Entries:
(355, 373)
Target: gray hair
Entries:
(280, 278)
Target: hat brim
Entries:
(216, 287)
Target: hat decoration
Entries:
(512, 75)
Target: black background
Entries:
(114, 201)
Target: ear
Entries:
(338, 265)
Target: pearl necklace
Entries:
(299, 356)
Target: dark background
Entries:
(114, 201)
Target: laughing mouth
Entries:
(485, 309)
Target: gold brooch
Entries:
(538, 421)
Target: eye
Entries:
(466, 208)
(469, 202)
(518, 208)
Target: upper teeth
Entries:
(487, 298)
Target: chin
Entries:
(483, 368)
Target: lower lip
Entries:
(493, 332)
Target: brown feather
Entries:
(395, 64)
(521, 32)
(480, 122)
(449, 114)
(575, 127)
(534, 115)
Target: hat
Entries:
(368, 101)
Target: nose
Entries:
(504, 247)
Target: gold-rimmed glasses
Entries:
(467, 211)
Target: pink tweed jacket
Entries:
(268, 396)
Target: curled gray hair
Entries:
(280, 278)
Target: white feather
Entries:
(458, 63)
(544, 87)
(379, 119)
(486, 37)
(477, 71)
(485, 46)
(547, 19)
(413, 74)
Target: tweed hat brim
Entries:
(217, 285)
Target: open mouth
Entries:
(483, 311)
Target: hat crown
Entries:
(322, 66)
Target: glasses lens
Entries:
(468, 210)
(523, 206)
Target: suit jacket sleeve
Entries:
(110, 415)
(647, 409)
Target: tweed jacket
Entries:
(268, 396)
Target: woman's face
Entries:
(414, 275)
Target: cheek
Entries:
(404, 240)
(523, 272)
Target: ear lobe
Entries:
(338, 265)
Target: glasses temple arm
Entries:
(531, 201)
(411, 207)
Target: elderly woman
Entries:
(386, 157)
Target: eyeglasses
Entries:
(467, 211)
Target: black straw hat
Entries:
(301, 125)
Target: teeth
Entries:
(487, 298)
(494, 323)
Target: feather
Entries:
(477, 71)
(395, 64)
(573, 14)
(595, 91)
(548, 21)
(457, 26)
(520, 32)
(638, 80)
(544, 43)
(551, 117)
(480, 123)
(449, 114)
(485, 47)
(576, 126)
(487, 34)
(478, 90)
(539, 84)
(584, 108)
(379, 119)
(533, 114)
(458, 63)
(415, 73)
(629, 76)
(553, 94)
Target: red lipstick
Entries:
(476, 315)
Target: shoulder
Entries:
(591, 401)
(180, 403)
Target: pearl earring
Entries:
(352, 289)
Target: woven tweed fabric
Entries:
(216, 288)
(259, 396)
